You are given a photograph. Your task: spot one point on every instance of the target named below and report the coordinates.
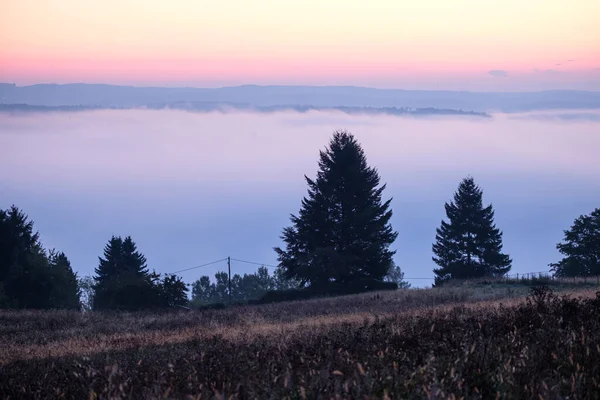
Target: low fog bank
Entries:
(192, 188)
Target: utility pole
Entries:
(229, 269)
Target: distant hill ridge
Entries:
(113, 96)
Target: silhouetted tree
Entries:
(122, 279)
(29, 282)
(581, 248)
(202, 290)
(283, 282)
(342, 231)
(174, 291)
(17, 239)
(264, 280)
(469, 245)
(243, 287)
(253, 286)
(30, 278)
(221, 288)
(65, 289)
(396, 275)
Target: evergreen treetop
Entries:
(469, 245)
(342, 231)
(122, 279)
(580, 247)
(30, 277)
(120, 257)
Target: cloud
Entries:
(548, 71)
(573, 116)
(552, 72)
(498, 73)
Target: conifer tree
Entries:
(122, 279)
(580, 247)
(174, 291)
(29, 277)
(65, 290)
(469, 245)
(342, 231)
(17, 239)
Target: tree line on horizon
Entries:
(340, 236)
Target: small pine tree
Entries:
(174, 291)
(342, 231)
(469, 245)
(122, 279)
(581, 248)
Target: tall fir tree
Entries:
(17, 239)
(469, 245)
(343, 230)
(122, 279)
(580, 247)
(65, 292)
(29, 277)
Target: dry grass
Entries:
(408, 343)
(40, 334)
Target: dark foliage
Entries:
(342, 231)
(29, 276)
(328, 289)
(396, 275)
(65, 291)
(469, 245)
(581, 248)
(546, 348)
(122, 278)
(243, 288)
(18, 240)
(123, 282)
(173, 291)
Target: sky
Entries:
(192, 188)
(509, 45)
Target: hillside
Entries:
(315, 96)
(469, 341)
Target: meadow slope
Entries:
(436, 343)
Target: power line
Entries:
(200, 266)
(274, 266)
(254, 263)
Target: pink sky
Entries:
(426, 44)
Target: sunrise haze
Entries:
(459, 45)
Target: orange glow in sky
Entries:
(426, 44)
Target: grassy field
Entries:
(473, 340)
